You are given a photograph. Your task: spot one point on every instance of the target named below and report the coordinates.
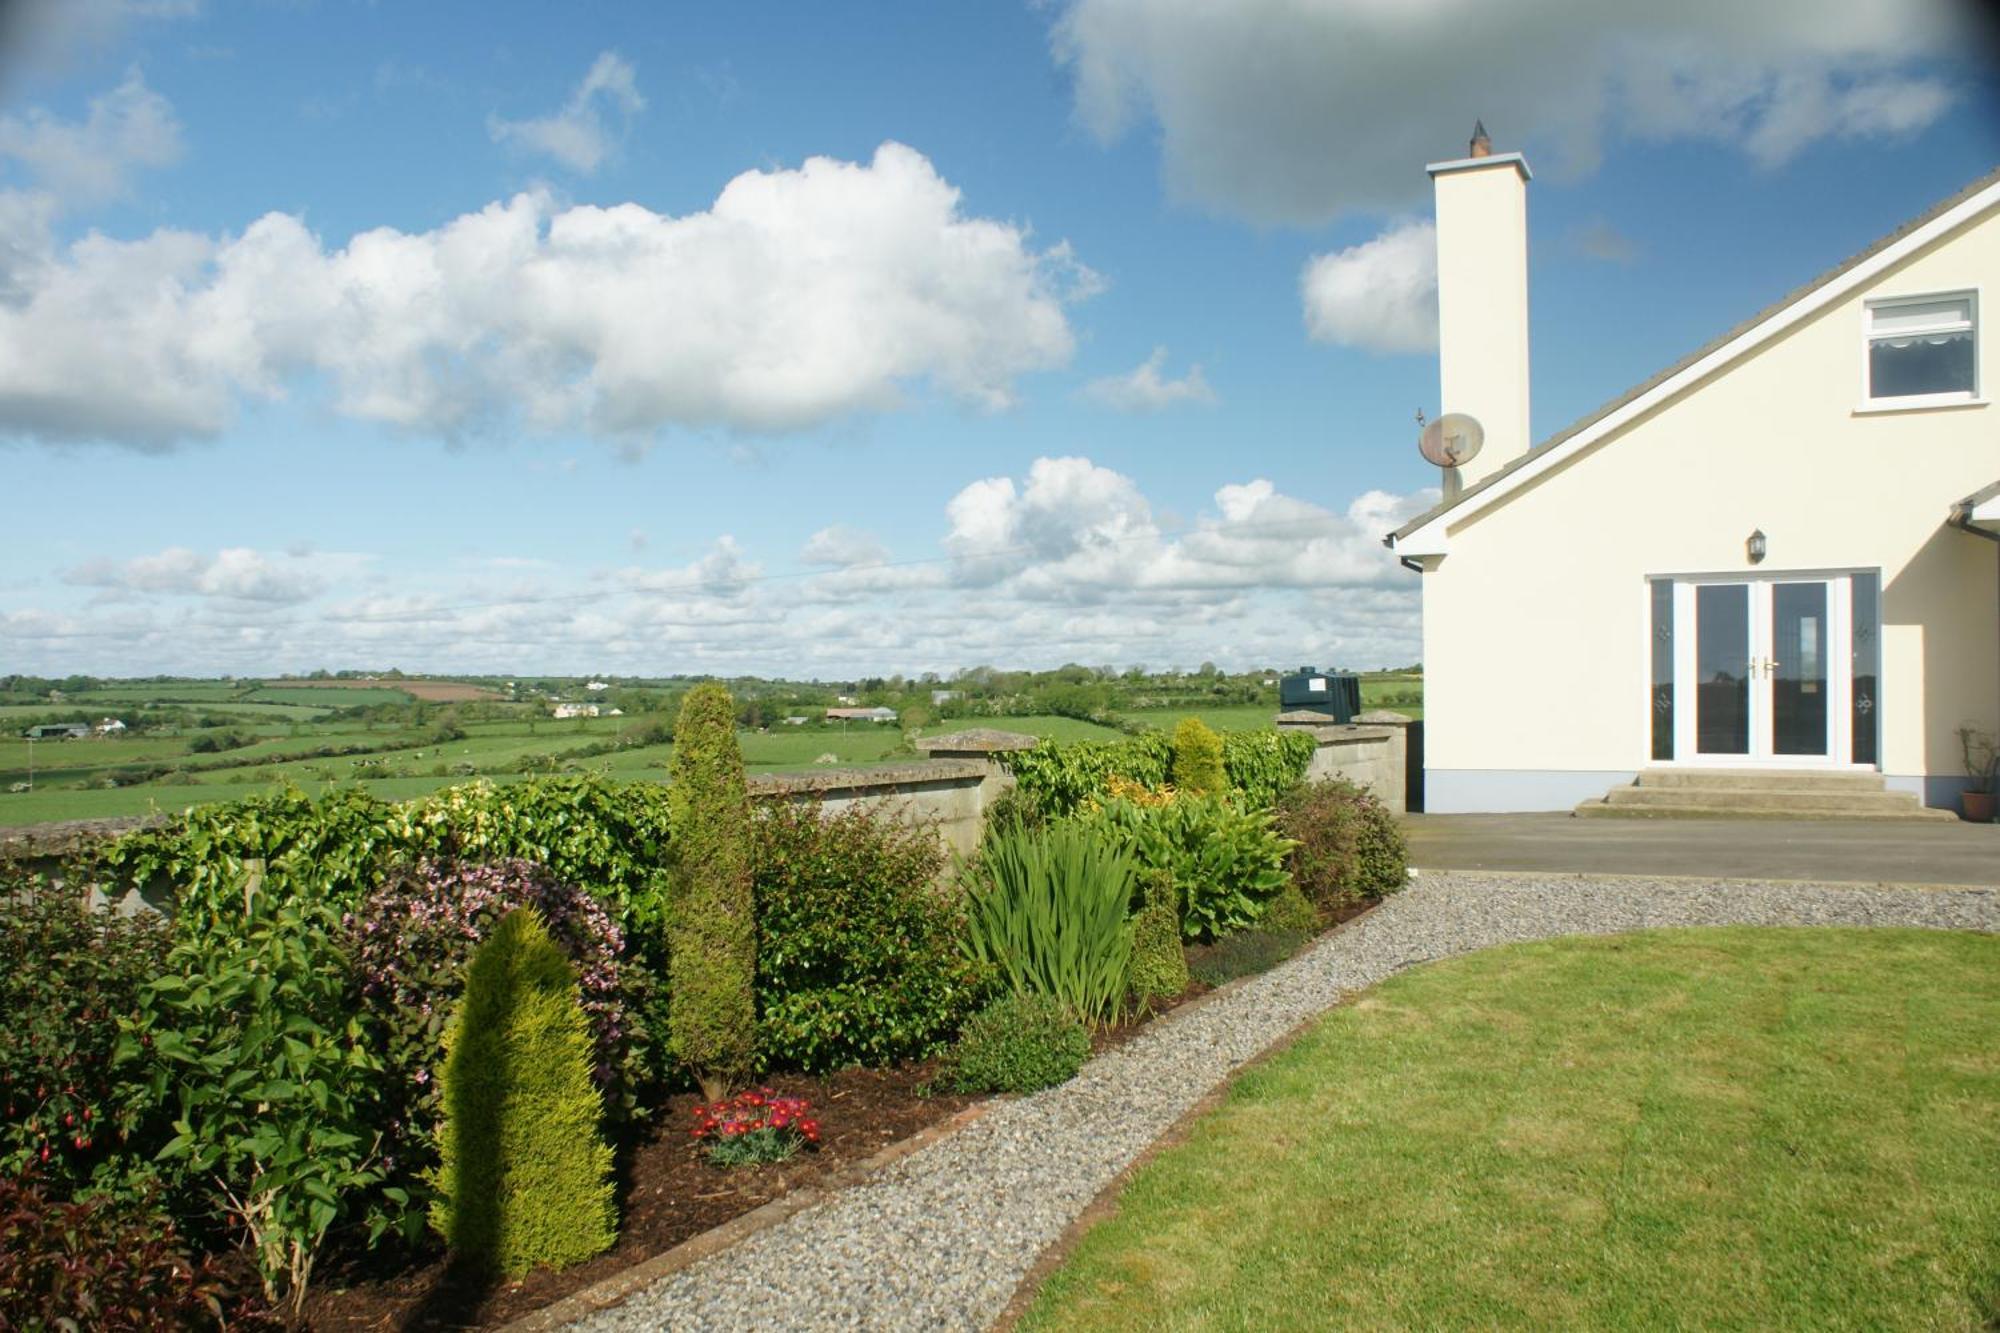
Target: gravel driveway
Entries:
(942, 1238)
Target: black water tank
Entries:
(1336, 694)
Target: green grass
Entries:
(1715, 1128)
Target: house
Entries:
(861, 715)
(110, 726)
(1775, 564)
(575, 710)
(58, 731)
(597, 686)
(795, 720)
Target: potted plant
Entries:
(1982, 760)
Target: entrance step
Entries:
(1760, 779)
(1758, 794)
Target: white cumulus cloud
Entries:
(1299, 110)
(576, 134)
(1381, 295)
(1146, 389)
(800, 296)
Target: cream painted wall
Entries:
(1535, 650)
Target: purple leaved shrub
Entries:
(411, 939)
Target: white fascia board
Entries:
(1806, 306)
(1430, 539)
(1986, 511)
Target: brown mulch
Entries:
(670, 1194)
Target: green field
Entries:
(192, 742)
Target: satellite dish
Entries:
(1452, 439)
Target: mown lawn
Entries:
(1717, 1128)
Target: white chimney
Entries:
(1482, 260)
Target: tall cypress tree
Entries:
(711, 924)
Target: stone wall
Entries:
(1372, 752)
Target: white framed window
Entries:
(1923, 350)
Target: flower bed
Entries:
(671, 1194)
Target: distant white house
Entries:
(946, 696)
(844, 700)
(110, 726)
(575, 710)
(597, 685)
(861, 715)
(794, 721)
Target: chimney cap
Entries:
(1481, 145)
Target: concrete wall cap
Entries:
(978, 740)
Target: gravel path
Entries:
(941, 1239)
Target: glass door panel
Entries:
(1797, 667)
(1722, 668)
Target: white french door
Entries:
(1762, 671)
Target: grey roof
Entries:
(1578, 427)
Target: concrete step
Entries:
(1759, 779)
(1762, 798)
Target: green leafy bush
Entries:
(253, 1039)
(1347, 847)
(1060, 778)
(1198, 758)
(524, 1177)
(611, 837)
(712, 939)
(1227, 863)
(105, 1264)
(1019, 1043)
(1244, 953)
(858, 958)
(67, 976)
(1047, 912)
(1265, 764)
(1159, 962)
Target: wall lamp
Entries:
(1754, 547)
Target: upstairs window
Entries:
(1922, 348)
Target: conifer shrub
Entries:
(1159, 962)
(1198, 758)
(711, 926)
(524, 1177)
(1021, 1042)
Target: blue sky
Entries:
(828, 340)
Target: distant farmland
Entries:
(189, 742)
